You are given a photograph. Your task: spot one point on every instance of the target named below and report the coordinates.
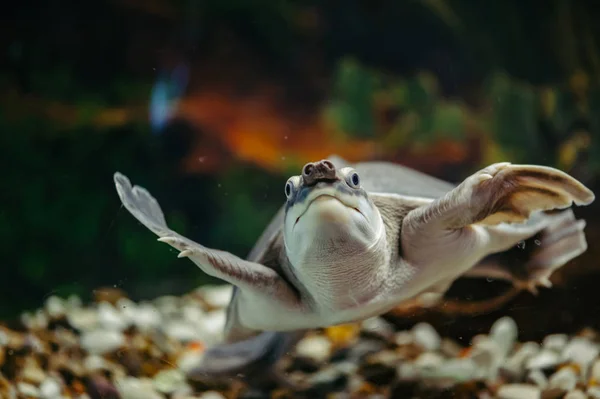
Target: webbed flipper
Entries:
(244, 274)
(530, 262)
(254, 360)
(493, 210)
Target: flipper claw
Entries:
(185, 253)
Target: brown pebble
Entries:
(109, 294)
(99, 387)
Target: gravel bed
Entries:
(116, 348)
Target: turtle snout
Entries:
(314, 172)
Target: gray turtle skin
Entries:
(353, 241)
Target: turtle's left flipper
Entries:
(492, 210)
(503, 193)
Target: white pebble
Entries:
(504, 332)
(594, 392)
(110, 318)
(28, 390)
(426, 336)
(213, 325)
(519, 391)
(133, 388)
(99, 342)
(487, 354)
(544, 359)
(74, 302)
(576, 394)
(595, 371)
(169, 381)
(127, 308)
(515, 364)
(55, 307)
(95, 363)
(211, 395)
(315, 347)
(564, 379)
(50, 389)
(455, 369)
(146, 317)
(580, 351)
(83, 319)
(429, 360)
(181, 331)
(217, 295)
(538, 378)
(555, 342)
(189, 360)
(407, 371)
(402, 338)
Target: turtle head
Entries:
(327, 213)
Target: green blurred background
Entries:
(212, 104)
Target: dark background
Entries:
(256, 89)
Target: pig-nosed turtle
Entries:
(354, 241)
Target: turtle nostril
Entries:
(328, 164)
(308, 169)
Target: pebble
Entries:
(83, 319)
(55, 307)
(217, 295)
(426, 336)
(515, 364)
(429, 360)
(99, 342)
(50, 389)
(28, 390)
(457, 370)
(594, 392)
(189, 360)
(182, 331)
(565, 379)
(169, 381)
(504, 332)
(402, 338)
(378, 327)
(576, 394)
(488, 356)
(213, 325)
(317, 348)
(211, 395)
(580, 351)
(146, 317)
(110, 318)
(133, 388)
(595, 372)
(555, 342)
(538, 378)
(519, 391)
(543, 360)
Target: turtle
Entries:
(354, 240)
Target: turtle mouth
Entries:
(321, 196)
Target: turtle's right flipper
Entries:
(249, 276)
(254, 360)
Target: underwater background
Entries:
(212, 104)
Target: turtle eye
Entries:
(289, 189)
(353, 180)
